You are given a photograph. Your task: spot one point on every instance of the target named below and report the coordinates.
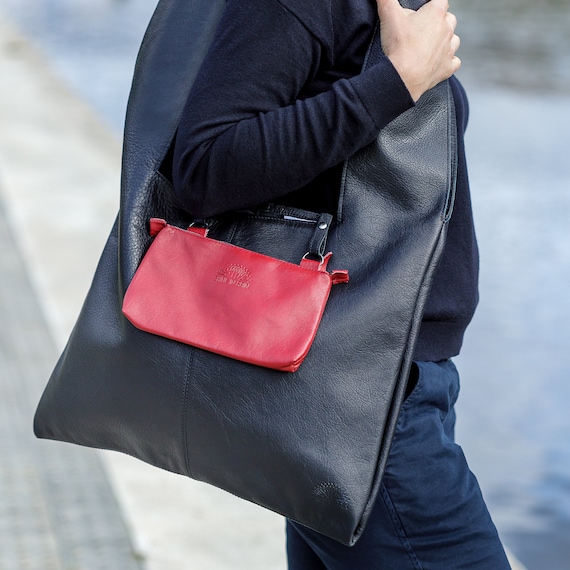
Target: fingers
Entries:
(455, 42)
(455, 64)
(455, 39)
(421, 45)
(451, 20)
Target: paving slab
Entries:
(57, 508)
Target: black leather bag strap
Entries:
(173, 49)
(396, 199)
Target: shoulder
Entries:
(311, 12)
(315, 15)
(334, 23)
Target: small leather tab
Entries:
(312, 264)
(318, 243)
(202, 232)
(339, 276)
(156, 225)
(316, 264)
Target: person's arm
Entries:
(245, 138)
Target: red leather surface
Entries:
(228, 300)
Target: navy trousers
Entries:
(429, 514)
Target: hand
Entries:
(421, 45)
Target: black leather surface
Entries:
(312, 444)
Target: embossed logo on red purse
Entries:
(234, 274)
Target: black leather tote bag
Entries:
(310, 444)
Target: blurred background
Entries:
(513, 415)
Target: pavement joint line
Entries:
(57, 508)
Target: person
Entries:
(279, 103)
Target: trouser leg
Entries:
(429, 514)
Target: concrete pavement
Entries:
(59, 183)
(57, 508)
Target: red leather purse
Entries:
(229, 300)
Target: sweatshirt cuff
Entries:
(382, 92)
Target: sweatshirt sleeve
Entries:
(246, 137)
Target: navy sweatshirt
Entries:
(280, 102)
